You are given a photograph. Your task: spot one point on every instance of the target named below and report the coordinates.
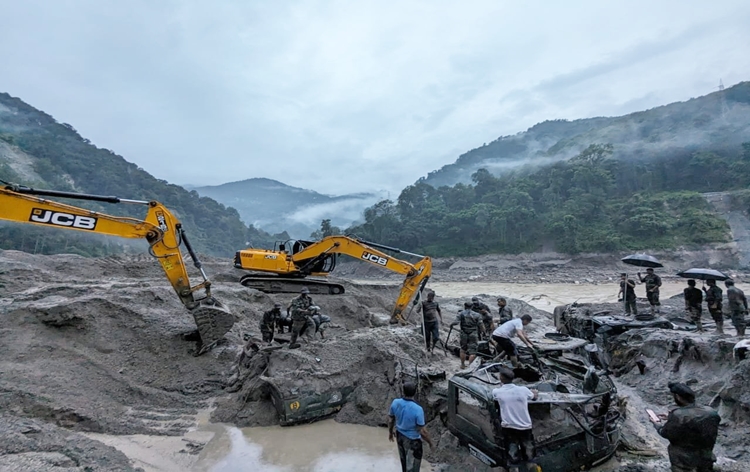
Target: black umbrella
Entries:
(642, 260)
(703, 274)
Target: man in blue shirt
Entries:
(408, 417)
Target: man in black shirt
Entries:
(627, 291)
(693, 301)
(430, 314)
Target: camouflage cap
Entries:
(474, 299)
(277, 305)
(305, 290)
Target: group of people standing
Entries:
(303, 318)
(714, 300)
(627, 291)
(476, 323)
(694, 298)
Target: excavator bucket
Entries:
(213, 320)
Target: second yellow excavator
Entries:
(160, 228)
(291, 262)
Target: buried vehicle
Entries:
(576, 420)
(598, 325)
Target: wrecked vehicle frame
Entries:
(572, 429)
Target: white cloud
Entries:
(351, 96)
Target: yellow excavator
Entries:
(160, 228)
(292, 261)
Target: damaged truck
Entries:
(576, 417)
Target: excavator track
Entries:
(274, 284)
(214, 320)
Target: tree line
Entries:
(589, 203)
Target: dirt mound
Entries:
(30, 445)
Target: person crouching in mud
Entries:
(503, 337)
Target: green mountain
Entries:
(716, 122)
(604, 184)
(274, 207)
(38, 151)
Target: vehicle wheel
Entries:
(335, 290)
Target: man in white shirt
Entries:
(515, 421)
(503, 337)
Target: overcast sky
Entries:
(347, 96)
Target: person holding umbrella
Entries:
(713, 293)
(653, 282)
(737, 306)
(713, 300)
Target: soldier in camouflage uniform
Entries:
(470, 323)
(506, 314)
(653, 282)
(737, 307)
(713, 300)
(483, 310)
(691, 431)
(268, 321)
(300, 309)
(693, 302)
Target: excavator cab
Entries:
(285, 268)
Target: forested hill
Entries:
(38, 151)
(715, 122)
(589, 203)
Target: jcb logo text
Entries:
(58, 218)
(375, 258)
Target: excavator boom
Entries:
(160, 228)
(286, 269)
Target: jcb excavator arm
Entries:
(310, 260)
(160, 228)
(416, 274)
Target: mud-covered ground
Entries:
(98, 346)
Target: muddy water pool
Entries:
(325, 446)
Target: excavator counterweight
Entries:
(160, 228)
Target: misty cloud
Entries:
(345, 97)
